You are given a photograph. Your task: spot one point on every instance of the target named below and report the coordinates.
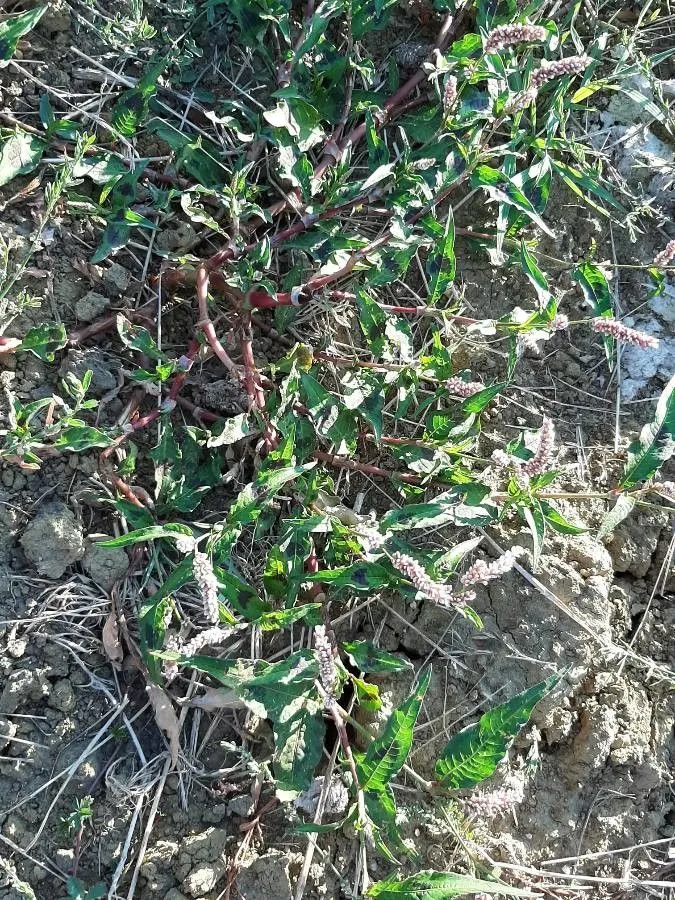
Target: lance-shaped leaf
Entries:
(593, 283)
(151, 533)
(131, 109)
(441, 263)
(473, 755)
(387, 753)
(656, 443)
(13, 29)
(440, 886)
(500, 187)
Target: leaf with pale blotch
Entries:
(621, 509)
(20, 154)
(166, 719)
(366, 657)
(440, 263)
(473, 755)
(44, 340)
(151, 533)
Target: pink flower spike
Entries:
(544, 452)
(621, 332)
(507, 35)
(666, 256)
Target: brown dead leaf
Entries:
(111, 639)
(218, 698)
(166, 719)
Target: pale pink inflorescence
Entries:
(414, 572)
(371, 539)
(210, 637)
(323, 653)
(550, 69)
(480, 572)
(170, 666)
(450, 93)
(666, 256)
(621, 332)
(490, 804)
(461, 388)
(560, 322)
(507, 35)
(542, 458)
(666, 488)
(185, 544)
(208, 586)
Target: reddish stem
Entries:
(205, 323)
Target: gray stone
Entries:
(7, 731)
(337, 798)
(78, 362)
(117, 277)
(91, 306)
(53, 540)
(21, 684)
(266, 877)
(62, 696)
(205, 877)
(105, 565)
(241, 806)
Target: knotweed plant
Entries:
(316, 198)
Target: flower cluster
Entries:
(450, 93)
(370, 538)
(490, 804)
(211, 637)
(560, 322)
(544, 452)
(323, 653)
(550, 69)
(507, 35)
(170, 666)
(208, 586)
(666, 489)
(621, 332)
(185, 544)
(461, 388)
(480, 572)
(414, 572)
(666, 256)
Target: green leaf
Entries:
(474, 754)
(656, 443)
(366, 657)
(78, 438)
(152, 617)
(137, 338)
(14, 28)
(453, 557)
(500, 187)
(367, 695)
(440, 264)
(364, 394)
(44, 340)
(558, 522)
(430, 885)
(477, 402)
(534, 274)
(115, 235)
(364, 576)
(19, 155)
(101, 167)
(151, 533)
(131, 110)
(282, 618)
(621, 509)
(596, 292)
(387, 754)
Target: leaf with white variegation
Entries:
(440, 886)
